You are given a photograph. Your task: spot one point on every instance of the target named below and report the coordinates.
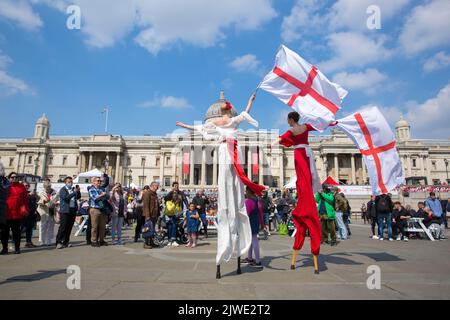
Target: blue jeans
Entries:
(341, 225)
(172, 228)
(381, 218)
(203, 218)
(116, 223)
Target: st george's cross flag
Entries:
(371, 133)
(304, 88)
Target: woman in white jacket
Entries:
(47, 210)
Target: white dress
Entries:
(233, 227)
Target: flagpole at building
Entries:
(106, 110)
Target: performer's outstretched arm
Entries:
(183, 125)
(250, 102)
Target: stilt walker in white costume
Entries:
(233, 226)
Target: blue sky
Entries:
(154, 62)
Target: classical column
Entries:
(422, 168)
(118, 178)
(18, 161)
(191, 167)
(215, 160)
(428, 165)
(174, 159)
(281, 169)
(161, 168)
(203, 176)
(249, 163)
(363, 168)
(261, 165)
(24, 161)
(44, 165)
(336, 167)
(80, 160)
(408, 157)
(353, 168)
(90, 161)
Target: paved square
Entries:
(418, 269)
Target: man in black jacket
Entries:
(201, 201)
(384, 206)
(68, 207)
(400, 215)
(267, 207)
(176, 188)
(372, 215)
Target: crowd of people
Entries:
(382, 212)
(112, 208)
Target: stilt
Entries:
(218, 276)
(294, 257)
(316, 265)
(239, 266)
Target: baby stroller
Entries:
(162, 233)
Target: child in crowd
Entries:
(192, 222)
(254, 211)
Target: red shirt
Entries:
(288, 139)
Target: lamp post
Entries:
(446, 168)
(129, 178)
(106, 164)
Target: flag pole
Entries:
(106, 121)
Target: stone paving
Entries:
(418, 269)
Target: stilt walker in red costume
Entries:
(305, 214)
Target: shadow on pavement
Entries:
(35, 276)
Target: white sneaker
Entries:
(375, 237)
(405, 239)
(175, 244)
(381, 239)
(169, 244)
(390, 239)
(399, 238)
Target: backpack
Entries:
(383, 204)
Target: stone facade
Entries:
(142, 159)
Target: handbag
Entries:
(148, 231)
(283, 229)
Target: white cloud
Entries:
(352, 49)
(10, 85)
(170, 102)
(427, 27)
(367, 81)
(247, 62)
(429, 119)
(439, 61)
(20, 12)
(353, 14)
(303, 18)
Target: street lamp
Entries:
(106, 164)
(129, 178)
(446, 167)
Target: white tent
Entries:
(291, 183)
(84, 177)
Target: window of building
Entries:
(77, 161)
(414, 163)
(167, 161)
(128, 161)
(436, 182)
(11, 161)
(433, 165)
(64, 160)
(142, 180)
(50, 160)
(30, 159)
(166, 181)
(157, 161)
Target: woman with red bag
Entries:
(16, 210)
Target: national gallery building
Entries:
(192, 161)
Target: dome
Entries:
(214, 111)
(43, 120)
(402, 123)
